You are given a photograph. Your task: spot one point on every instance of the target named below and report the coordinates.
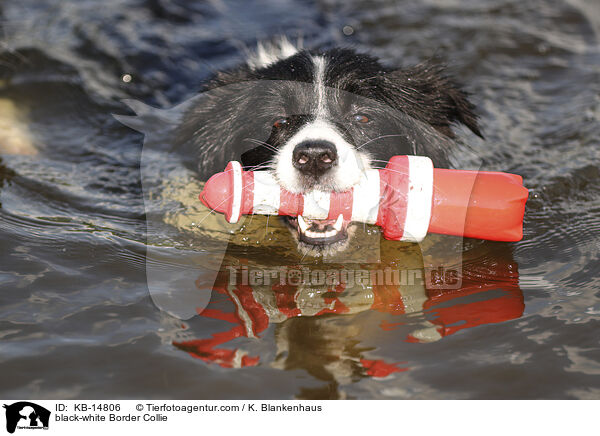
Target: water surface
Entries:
(76, 316)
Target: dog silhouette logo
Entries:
(26, 415)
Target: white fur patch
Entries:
(267, 53)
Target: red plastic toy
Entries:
(407, 199)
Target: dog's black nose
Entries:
(314, 157)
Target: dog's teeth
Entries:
(330, 233)
(338, 223)
(302, 224)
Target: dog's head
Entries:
(318, 120)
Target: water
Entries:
(77, 319)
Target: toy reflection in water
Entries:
(329, 319)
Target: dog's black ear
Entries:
(430, 95)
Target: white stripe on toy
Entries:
(266, 194)
(365, 203)
(316, 205)
(237, 192)
(420, 194)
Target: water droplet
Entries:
(348, 30)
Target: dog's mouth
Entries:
(320, 232)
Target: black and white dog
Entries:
(318, 119)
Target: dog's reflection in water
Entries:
(333, 320)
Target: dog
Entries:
(317, 119)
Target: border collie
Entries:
(317, 119)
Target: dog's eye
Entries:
(361, 118)
(280, 123)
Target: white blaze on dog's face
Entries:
(315, 155)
